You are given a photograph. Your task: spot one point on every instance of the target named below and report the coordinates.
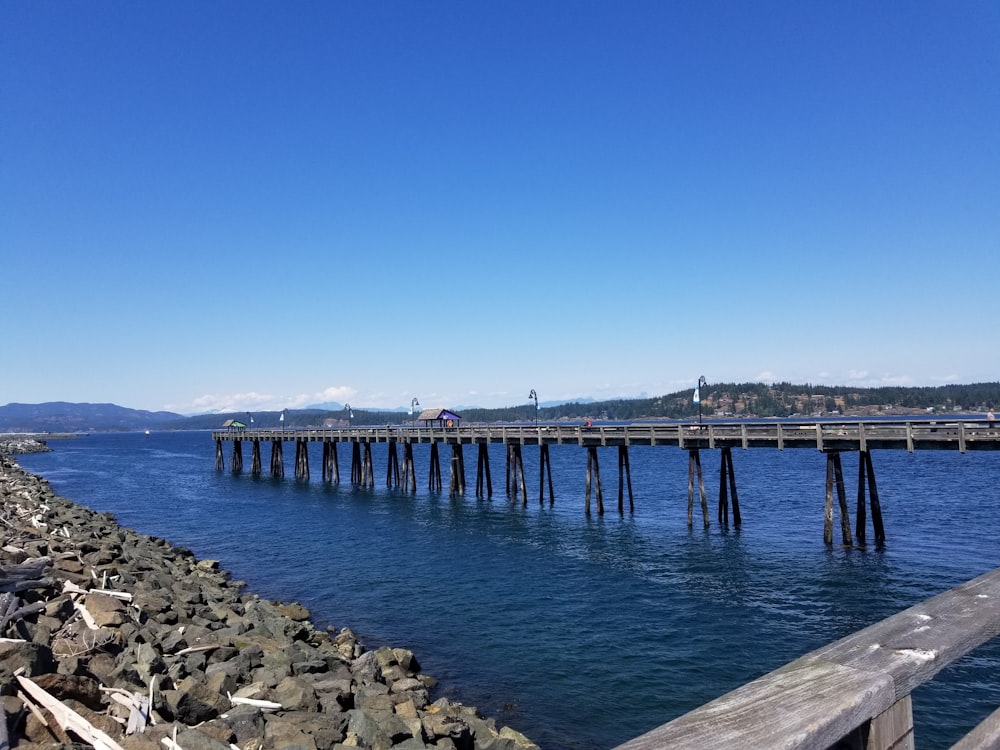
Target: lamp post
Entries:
(534, 395)
(697, 395)
(350, 414)
(282, 419)
(413, 405)
(250, 420)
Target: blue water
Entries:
(580, 632)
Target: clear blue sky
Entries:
(248, 206)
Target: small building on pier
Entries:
(233, 425)
(442, 418)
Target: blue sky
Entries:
(247, 205)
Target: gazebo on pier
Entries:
(443, 417)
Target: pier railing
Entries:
(910, 435)
(853, 693)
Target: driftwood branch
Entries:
(68, 718)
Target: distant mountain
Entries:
(327, 406)
(60, 416)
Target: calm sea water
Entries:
(581, 632)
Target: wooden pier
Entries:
(832, 438)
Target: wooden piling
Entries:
(624, 473)
(456, 482)
(237, 456)
(367, 466)
(545, 469)
(694, 467)
(220, 461)
(515, 474)
(255, 458)
(331, 467)
(594, 473)
(409, 469)
(866, 471)
(728, 475)
(392, 468)
(277, 459)
(302, 459)
(509, 471)
(483, 472)
(434, 476)
(835, 476)
(355, 462)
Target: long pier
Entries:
(831, 437)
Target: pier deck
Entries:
(930, 434)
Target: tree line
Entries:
(735, 400)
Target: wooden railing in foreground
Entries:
(854, 693)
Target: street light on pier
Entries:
(282, 419)
(350, 414)
(413, 405)
(250, 420)
(534, 395)
(697, 394)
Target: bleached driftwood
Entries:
(71, 588)
(261, 704)
(138, 706)
(68, 719)
(196, 649)
(171, 742)
(87, 617)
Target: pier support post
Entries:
(594, 472)
(220, 461)
(867, 471)
(434, 476)
(255, 458)
(237, 456)
(331, 470)
(392, 468)
(515, 473)
(483, 471)
(624, 472)
(835, 475)
(545, 469)
(728, 474)
(367, 467)
(694, 467)
(355, 462)
(409, 469)
(302, 459)
(277, 459)
(456, 481)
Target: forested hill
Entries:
(61, 416)
(736, 400)
(747, 400)
(720, 400)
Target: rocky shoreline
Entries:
(114, 639)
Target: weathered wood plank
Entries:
(825, 695)
(803, 705)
